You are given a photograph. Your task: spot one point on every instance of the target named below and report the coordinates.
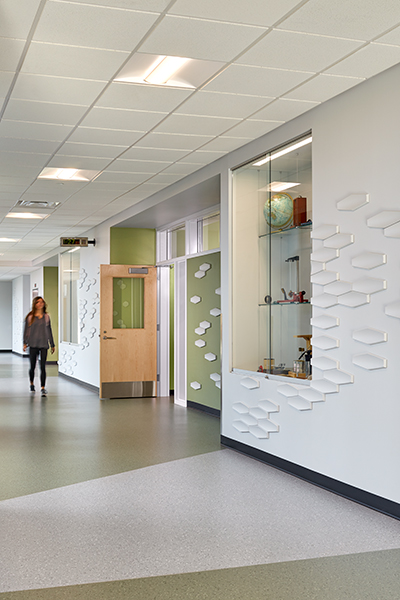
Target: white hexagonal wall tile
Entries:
(200, 343)
(386, 218)
(240, 408)
(324, 342)
(324, 255)
(369, 285)
(240, 426)
(215, 376)
(324, 386)
(369, 361)
(248, 420)
(338, 288)
(324, 322)
(300, 404)
(324, 363)
(393, 231)
(218, 291)
(287, 390)
(250, 383)
(218, 384)
(312, 395)
(353, 299)
(339, 377)
(316, 267)
(324, 277)
(195, 299)
(393, 310)
(257, 413)
(370, 336)
(369, 260)
(258, 432)
(268, 426)
(204, 267)
(210, 357)
(205, 324)
(199, 331)
(268, 406)
(353, 202)
(324, 231)
(195, 385)
(215, 312)
(324, 300)
(199, 274)
(340, 240)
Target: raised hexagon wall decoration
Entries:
(324, 277)
(268, 426)
(299, 403)
(324, 231)
(311, 395)
(324, 363)
(340, 240)
(324, 255)
(393, 231)
(258, 432)
(210, 356)
(324, 386)
(369, 361)
(324, 322)
(324, 300)
(257, 413)
(316, 267)
(287, 390)
(200, 331)
(199, 274)
(195, 299)
(268, 406)
(370, 336)
(338, 288)
(393, 310)
(384, 219)
(218, 291)
(205, 267)
(250, 383)
(195, 385)
(248, 420)
(240, 408)
(369, 285)
(325, 342)
(215, 376)
(369, 260)
(353, 299)
(339, 377)
(215, 312)
(200, 343)
(205, 324)
(240, 426)
(353, 202)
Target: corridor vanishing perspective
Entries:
(137, 499)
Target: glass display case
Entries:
(271, 248)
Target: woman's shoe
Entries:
(32, 388)
(43, 392)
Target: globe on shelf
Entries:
(278, 210)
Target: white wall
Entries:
(37, 281)
(6, 315)
(21, 304)
(351, 435)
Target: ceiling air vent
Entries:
(37, 204)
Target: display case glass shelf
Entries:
(271, 302)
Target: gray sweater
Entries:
(37, 332)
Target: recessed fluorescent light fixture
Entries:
(283, 152)
(8, 240)
(170, 71)
(278, 186)
(62, 174)
(23, 215)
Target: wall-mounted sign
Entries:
(68, 242)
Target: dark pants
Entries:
(33, 356)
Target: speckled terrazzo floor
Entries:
(136, 499)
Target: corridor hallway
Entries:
(137, 499)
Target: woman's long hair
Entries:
(33, 309)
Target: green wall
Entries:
(198, 368)
(50, 292)
(129, 246)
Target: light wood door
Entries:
(128, 331)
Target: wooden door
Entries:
(128, 331)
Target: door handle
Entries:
(105, 337)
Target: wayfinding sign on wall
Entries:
(82, 242)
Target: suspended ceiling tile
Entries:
(218, 104)
(368, 61)
(182, 168)
(185, 124)
(112, 137)
(125, 120)
(16, 17)
(173, 141)
(323, 87)
(148, 5)
(5, 81)
(220, 146)
(78, 162)
(255, 13)
(69, 61)
(257, 81)
(44, 112)
(18, 145)
(297, 51)
(10, 53)
(34, 131)
(56, 89)
(209, 40)
(154, 154)
(391, 38)
(252, 128)
(90, 150)
(92, 26)
(23, 159)
(283, 110)
(139, 166)
(202, 157)
(142, 97)
(119, 176)
(166, 178)
(358, 19)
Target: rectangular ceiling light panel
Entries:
(67, 174)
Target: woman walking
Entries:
(38, 335)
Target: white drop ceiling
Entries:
(60, 106)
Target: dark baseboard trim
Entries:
(88, 386)
(51, 362)
(383, 505)
(207, 409)
(6, 350)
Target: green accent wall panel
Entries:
(50, 292)
(203, 279)
(129, 246)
